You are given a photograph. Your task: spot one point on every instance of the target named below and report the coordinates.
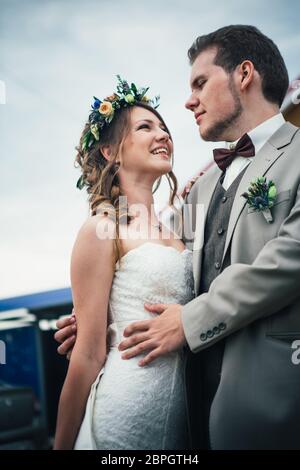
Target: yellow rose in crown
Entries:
(106, 109)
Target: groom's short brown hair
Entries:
(237, 43)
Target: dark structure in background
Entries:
(31, 371)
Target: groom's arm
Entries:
(243, 293)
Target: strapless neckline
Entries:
(152, 244)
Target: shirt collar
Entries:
(260, 134)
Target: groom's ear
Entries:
(246, 71)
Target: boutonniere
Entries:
(261, 196)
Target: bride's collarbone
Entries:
(132, 237)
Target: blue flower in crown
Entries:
(96, 104)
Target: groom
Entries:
(240, 331)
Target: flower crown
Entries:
(103, 111)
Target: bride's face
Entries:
(147, 149)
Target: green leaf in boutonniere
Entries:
(261, 196)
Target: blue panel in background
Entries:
(50, 298)
(23, 358)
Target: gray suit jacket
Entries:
(255, 304)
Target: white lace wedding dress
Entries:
(132, 407)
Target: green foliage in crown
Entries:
(103, 112)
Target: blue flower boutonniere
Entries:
(261, 196)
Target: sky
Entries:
(54, 56)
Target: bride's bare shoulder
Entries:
(96, 235)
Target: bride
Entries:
(123, 258)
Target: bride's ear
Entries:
(106, 151)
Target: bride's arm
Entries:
(92, 270)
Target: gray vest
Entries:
(215, 232)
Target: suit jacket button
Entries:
(222, 326)
(203, 337)
(216, 330)
(224, 199)
(217, 265)
(209, 334)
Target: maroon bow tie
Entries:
(244, 148)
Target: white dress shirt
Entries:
(259, 136)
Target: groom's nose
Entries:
(192, 102)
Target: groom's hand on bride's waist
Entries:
(66, 334)
(159, 336)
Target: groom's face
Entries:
(214, 100)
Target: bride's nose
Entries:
(162, 134)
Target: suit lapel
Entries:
(265, 158)
(203, 197)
